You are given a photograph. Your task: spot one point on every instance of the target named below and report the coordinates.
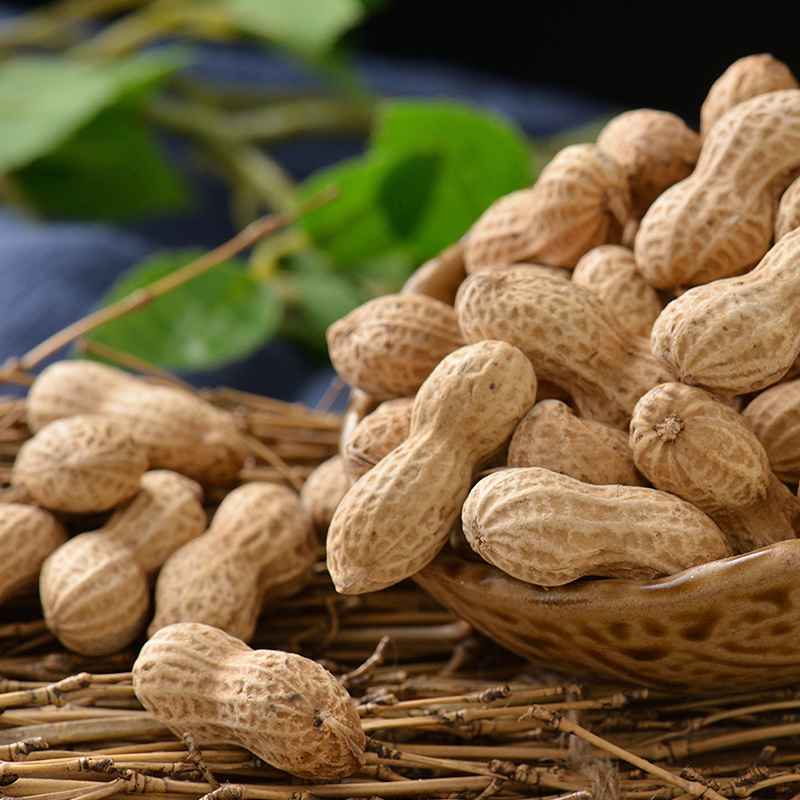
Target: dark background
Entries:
(656, 55)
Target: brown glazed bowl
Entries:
(729, 625)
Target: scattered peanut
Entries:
(735, 335)
(376, 435)
(261, 545)
(95, 588)
(27, 536)
(610, 272)
(287, 710)
(719, 221)
(689, 442)
(179, 430)
(83, 464)
(774, 417)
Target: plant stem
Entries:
(17, 369)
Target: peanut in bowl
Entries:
(730, 624)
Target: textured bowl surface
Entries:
(727, 625)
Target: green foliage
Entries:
(217, 318)
(46, 100)
(110, 169)
(430, 171)
(309, 27)
(79, 138)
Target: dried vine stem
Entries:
(18, 370)
(557, 721)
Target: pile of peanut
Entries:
(596, 381)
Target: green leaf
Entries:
(310, 27)
(45, 100)
(219, 317)
(110, 169)
(431, 169)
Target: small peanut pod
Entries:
(609, 271)
(719, 221)
(387, 346)
(774, 417)
(179, 430)
(27, 536)
(284, 708)
(83, 464)
(568, 333)
(744, 78)
(261, 545)
(580, 200)
(95, 588)
(736, 335)
(689, 442)
(552, 436)
(655, 150)
(394, 519)
(378, 433)
(550, 529)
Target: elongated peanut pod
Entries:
(735, 335)
(284, 708)
(550, 529)
(395, 518)
(570, 336)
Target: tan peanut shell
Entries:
(787, 217)
(284, 708)
(162, 516)
(261, 545)
(736, 335)
(95, 588)
(580, 200)
(179, 430)
(323, 490)
(394, 519)
(655, 150)
(440, 276)
(774, 416)
(27, 536)
(378, 433)
(728, 625)
(550, 529)
(568, 333)
(689, 442)
(552, 436)
(387, 346)
(719, 221)
(83, 464)
(95, 596)
(609, 271)
(745, 78)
